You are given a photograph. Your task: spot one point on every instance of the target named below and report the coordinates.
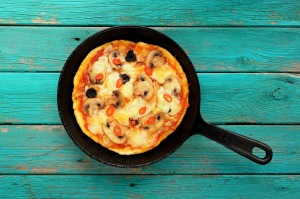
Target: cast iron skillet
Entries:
(191, 124)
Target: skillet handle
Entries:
(238, 143)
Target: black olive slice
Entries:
(130, 57)
(125, 78)
(91, 93)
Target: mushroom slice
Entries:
(115, 59)
(117, 99)
(115, 131)
(154, 59)
(92, 105)
(97, 73)
(96, 78)
(108, 48)
(172, 84)
(152, 122)
(143, 87)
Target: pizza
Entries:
(128, 96)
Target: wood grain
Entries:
(210, 49)
(47, 149)
(30, 98)
(162, 13)
(127, 186)
(246, 54)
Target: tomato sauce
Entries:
(96, 57)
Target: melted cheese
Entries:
(127, 89)
(138, 138)
(160, 73)
(167, 107)
(131, 110)
(95, 123)
(132, 72)
(111, 81)
(101, 65)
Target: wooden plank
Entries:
(210, 49)
(127, 186)
(28, 98)
(163, 13)
(226, 98)
(47, 149)
(250, 98)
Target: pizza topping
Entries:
(117, 99)
(96, 57)
(98, 70)
(92, 105)
(115, 131)
(114, 58)
(151, 120)
(172, 84)
(91, 93)
(130, 57)
(99, 77)
(120, 82)
(142, 110)
(148, 70)
(139, 64)
(125, 78)
(167, 97)
(167, 103)
(110, 110)
(108, 49)
(143, 87)
(151, 123)
(154, 59)
(117, 62)
(131, 110)
(133, 122)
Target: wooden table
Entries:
(247, 58)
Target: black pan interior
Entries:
(65, 87)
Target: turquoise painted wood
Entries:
(47, 149)
(210, 49)
(151, 13)
(153, 186)
(226, 98)
(247, 58)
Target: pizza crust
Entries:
(164, 109)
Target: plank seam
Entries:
(152, 26)
(155, 174)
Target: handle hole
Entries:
(258, 152)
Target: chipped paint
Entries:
(44, 21)
(297, 66)
(40, 127)
(125, 19)
(276, 16)
(22, 167)
(9, 21)
(4, 130)
(40, 170)
(12, 120)
(31, 63)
